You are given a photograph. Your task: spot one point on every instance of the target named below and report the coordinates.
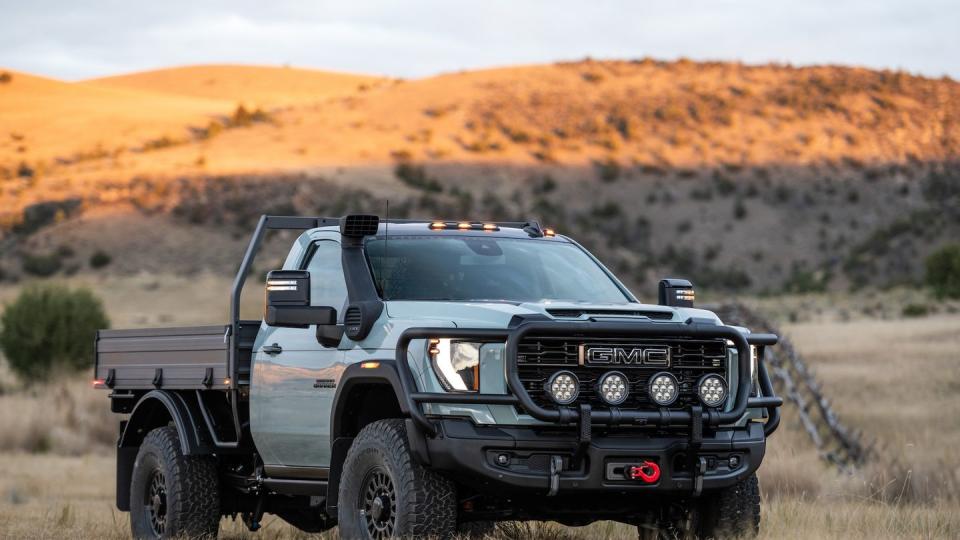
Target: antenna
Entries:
(386, 238)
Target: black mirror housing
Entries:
(288, 301)
(676, 293)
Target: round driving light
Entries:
(664, 388)
(712, 390)
(563, 387)
(613, 388)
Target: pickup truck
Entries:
(431, 378)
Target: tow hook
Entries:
(648, 472)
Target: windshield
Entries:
(469, 268)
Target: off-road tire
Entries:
(189, 495)
(421, 502)
(733, 512)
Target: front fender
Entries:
(384, 372)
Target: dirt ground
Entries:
(885, 375)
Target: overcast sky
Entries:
(73, 39)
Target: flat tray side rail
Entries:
(151, 358)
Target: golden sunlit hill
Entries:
(255, 86)
(762, 177)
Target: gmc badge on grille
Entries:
(624, 356)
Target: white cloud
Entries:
(75, 40)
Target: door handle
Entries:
(272, 349)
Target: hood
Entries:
(499, 314)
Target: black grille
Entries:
(539, 357)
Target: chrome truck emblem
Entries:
(605, 355)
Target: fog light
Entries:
(613, 388)
(712, 390)
(663, 388)
(563, 387)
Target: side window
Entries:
(327, 285)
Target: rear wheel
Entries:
(172, 495)
(385, 493)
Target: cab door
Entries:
(295, 377)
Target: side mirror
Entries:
(288, 302)
(676, 293)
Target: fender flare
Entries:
(355, 374)
(186, 417)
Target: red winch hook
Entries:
(649, 472)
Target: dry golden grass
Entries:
(258, 86)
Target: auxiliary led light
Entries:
(613, 388)
(712, 390)
(563, 387)
(664, 388)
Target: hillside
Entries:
(256, 86)
(744, 177)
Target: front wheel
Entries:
(172, 495)
(385, 493)
(732, 512)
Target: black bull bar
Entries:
(662, 417)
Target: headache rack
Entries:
(583, 414)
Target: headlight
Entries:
(712, 390)
(663, 388)
(456, 364)
(563, 387)
(613, 388)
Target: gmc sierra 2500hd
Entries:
(414, 378)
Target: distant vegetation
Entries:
(943, 271)
(49, 328)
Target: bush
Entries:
(608, 169)
(416, 177)
(915, 310)
(943, 272)
(50, 327)
(100, 259)
(41, 265)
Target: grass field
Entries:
(896, 379)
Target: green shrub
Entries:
(41, 265)
(943, 272)
(915, 310)
(608, 169)
(416, 177)
(50, 327)
(100, 259)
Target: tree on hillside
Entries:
(50, 327)
(943, 272)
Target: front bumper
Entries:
(581, 449)
(472, 455)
